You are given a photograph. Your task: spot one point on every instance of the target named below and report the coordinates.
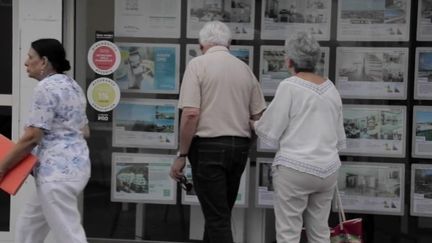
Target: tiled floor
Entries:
(124, 241)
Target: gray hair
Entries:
(215, 33)
(303, 50)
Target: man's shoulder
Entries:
(200, 61)
(223, 58)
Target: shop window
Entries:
(377, 52)
(5, 129)
(6, 46)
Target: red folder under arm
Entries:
(16, 176)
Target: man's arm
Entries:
(188, 124)
(257, 116)
(254, 118)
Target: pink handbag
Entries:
(347, 231)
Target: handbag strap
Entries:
(341, 212)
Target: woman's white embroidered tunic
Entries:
(305, 121)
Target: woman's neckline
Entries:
(306, 77)
(51, 74)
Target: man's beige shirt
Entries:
(225, 90)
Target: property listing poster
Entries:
(422, 132)
(190, 198)
(423, 74)
(421, 190)
(147, 18)
(145, 123)
(372, 73)
(373, 188)
(244, 53)
(273, 68)
(374, 130)
(142, 178)
(424, 20)
(238, 15)
(148, 68)
(264, 178)
(373, 20)
(280, 18)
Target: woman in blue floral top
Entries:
(55, 132)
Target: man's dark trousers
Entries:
(217, 166)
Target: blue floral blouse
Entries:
(59, 109)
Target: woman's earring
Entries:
(42, 72)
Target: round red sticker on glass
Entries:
(104, 57)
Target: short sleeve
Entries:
(85, 119)
(341, 143)
(190, 92)
(275, 118)
(42, 109)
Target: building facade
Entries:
(378, 53)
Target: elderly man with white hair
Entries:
(305, 121)
(219, 95)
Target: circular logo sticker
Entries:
(103, 94)
(104, 57)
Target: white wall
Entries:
(31, 21)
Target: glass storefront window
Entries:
(5, 89)
(6, 47)
(6, 130)
(377, 52)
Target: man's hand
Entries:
(177, 168)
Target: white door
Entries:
(30, 21)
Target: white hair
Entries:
(303, 50)
(215, 33)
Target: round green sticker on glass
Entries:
(103, 94)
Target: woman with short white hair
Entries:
(305, 122)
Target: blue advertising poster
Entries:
(165, 71)
(148, 68)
